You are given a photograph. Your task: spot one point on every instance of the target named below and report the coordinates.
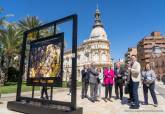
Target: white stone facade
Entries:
(96, 50)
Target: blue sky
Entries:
(125, 21)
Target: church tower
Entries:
(98, 28)
(98, 45)
(95, 49)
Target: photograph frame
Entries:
(45, 81)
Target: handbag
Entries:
(148, 80)
(98, 80)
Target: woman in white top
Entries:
(100, 81)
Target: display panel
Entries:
(45, 62)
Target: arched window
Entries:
(96, 57)
(103, 57)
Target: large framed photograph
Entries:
(45, 64)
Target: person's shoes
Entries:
(92, 100)
(116, 98)
(110, 100)
(97, 100)
(82, 96)
(42, 97)
(105, 99)
(121, 98)
(132, 103)
(69, 94)
(155, 105)
(144, 103)
(129, 100)
(134, 107)
(86, 96)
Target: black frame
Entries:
(73, 102)
(57, 81)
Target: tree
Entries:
(11, 40)
(28, 23)
(1, 21)
(31, 22)
(2, 24)
(1, 28)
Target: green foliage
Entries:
(28, 23)
(11, 40)
(11, 36)
(12, 74)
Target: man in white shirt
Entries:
(135, 77)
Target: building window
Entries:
(96, 58)
(103, 57)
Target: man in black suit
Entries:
(119, 81)
(85, 82)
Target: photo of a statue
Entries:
(45, 60)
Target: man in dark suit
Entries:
(85, 82)
(119, 81)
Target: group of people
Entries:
(130, 75)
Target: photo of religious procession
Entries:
(45, 59)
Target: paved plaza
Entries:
(101, 107)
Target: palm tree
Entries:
(1, 28)
(28, 23)
(11, 40)
(1, 19)
(31, 22)
(3, 22)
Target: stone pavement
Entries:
(160, 87)
(115, 107)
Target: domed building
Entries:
(95, 49)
